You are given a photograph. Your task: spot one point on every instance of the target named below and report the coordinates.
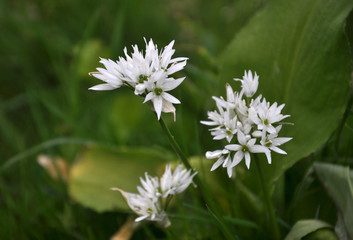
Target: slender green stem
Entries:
(206, 198)
(167, 201)
(273, 222)
(175, 145)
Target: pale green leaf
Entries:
(99, 169)
(304, 227)
(338, 183)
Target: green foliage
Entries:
(297, 48)
(338, 181)
(303, 228)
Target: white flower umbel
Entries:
(145, 207)
(255, 123)
(148, 74)
(150, 203)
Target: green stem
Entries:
(167, 201)
(174, 144)
(273, 222)
(205, 195)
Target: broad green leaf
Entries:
(305, 227)
(99, 169)
(301, 54)
(338, 182)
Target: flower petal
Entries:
(157, 104)
(171, 84)
(102, 87)
(170, 98)
(149, 96)
(233, 147)
(217, 163)
(247, 159)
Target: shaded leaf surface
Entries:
(301, 54)
(305, 227)
(338, 182)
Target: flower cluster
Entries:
(152, 198)
(147, 73)
(249, 125)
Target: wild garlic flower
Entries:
(150, 202)
(176, 182)
(249, 83)
(147, 73)
(248, 125)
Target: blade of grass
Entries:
(220, 225)
(241, 222)
(190, 218)
(41, 147)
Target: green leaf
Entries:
(99, 169)
(338, 180)
(301, 54)
(305, 227)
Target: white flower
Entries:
(145, 207)
(147, 73)
(215, 117)
(224, 159)
(150, 202)
(150, 187)
(249, 83)
(244, 148)
(273, 142)
(162, 101)
(228, 129)
(254, 121)
(111, 75)
(176, 182)
(264, 116)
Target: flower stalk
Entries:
(206, 198)
(174, 144)
(269, 207)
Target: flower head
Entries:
(147, 73)
(150, 201)
(254, 122)
(145, 207)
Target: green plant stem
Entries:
(271, 212)
(174, 144)
(167, 201)
(206, 198)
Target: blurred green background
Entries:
(47, 49)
